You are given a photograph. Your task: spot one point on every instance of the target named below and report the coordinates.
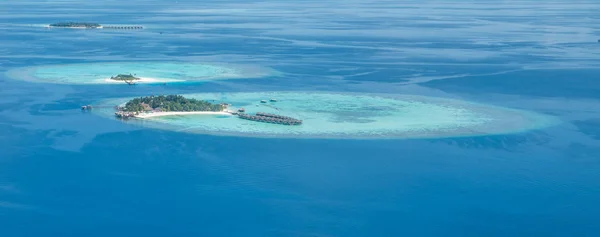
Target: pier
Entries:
(123, 27)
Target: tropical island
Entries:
(170, 103)
(127, 78)
(124, 77)
(76, 25)
(132, 79)
(167, 105)
(86, 25)
(152, 106)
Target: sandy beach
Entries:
(158, 114)
(141, 80)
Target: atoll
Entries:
(336, 115)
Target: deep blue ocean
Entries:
(64, 172)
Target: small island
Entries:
(127, 78)
(124, 77)
(86, 25)
(76, 25)
(152, 106)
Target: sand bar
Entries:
(141, 80)
(151, 72)
(159, 114)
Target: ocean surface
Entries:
(64, 172)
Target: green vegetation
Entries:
(76, 24)
(170, 103)
(124, 77)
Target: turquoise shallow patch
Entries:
(98, 73)
(331, 115)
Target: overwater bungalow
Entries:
(270, 118)
(123, 27)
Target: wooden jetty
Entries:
(123, 27)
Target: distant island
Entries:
(76, 25)
(87, 25)
(125, 77)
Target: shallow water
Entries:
(350, 115)
(161, 72)
(64, 172)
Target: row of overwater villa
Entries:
(270, 118)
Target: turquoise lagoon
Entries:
(161, 72)
(347, 115)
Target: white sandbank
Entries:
(141, 80)
(159, 114)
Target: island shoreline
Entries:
(140, 80)
(177, 113)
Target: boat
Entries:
(263, 101)
(273, 100)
